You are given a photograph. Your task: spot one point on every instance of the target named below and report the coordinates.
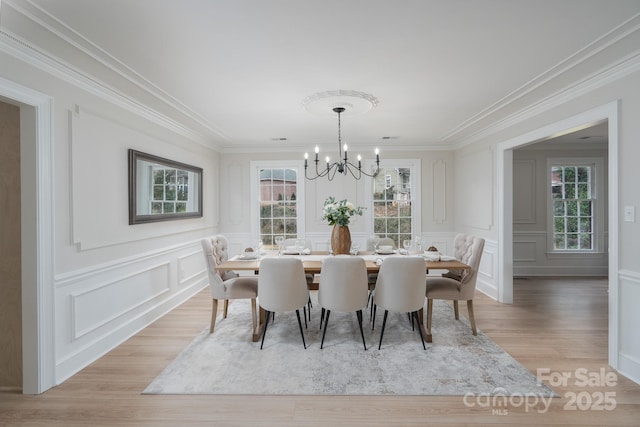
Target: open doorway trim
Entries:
(608, 112)
(38, 351)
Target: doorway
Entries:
(608, 113)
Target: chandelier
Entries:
(342, 165)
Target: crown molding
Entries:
(616, 71)
(615, 35)
(16, 46)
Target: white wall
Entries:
(110, 279)
(530, 208)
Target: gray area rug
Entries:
(455, 364)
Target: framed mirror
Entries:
(162, 190)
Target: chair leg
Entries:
(254, 317)
(326, 322)
(472, 318)
(304, 309)
(373, 317)
(415, 315)
(321, 317)
(301, 331)
(266, 323)
(455, 309)
(359, 315)
(429, 315)
(226, 309)
(410, 317)
(384, 322)
(214, 314)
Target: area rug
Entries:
(455, 364)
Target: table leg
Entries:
(257, 333)
(426, 332)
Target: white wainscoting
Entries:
(629, 355)
(99, 307)
(531, 258)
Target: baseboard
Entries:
(629, 367)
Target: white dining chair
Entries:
(458, 285)
(291, 242)
(343, 288)
(282, 287)
(400, 288)
(226, 285)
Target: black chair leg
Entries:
(410, 317)
(301, 331)
(266, 323)
(373, 316)
(305, 316)
(384, 322)
(326, 322)
(415, 315)
(321, 317)
(359, 315)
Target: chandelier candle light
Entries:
(342, 165)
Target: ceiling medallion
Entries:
(353, 102)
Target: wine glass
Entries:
(279, 242)
(418, 241)
(300, 243)
(375, 239)
(407, 244)
(355, 248)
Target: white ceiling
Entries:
(242, 67)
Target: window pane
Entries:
(265, 226)
(170, 176)
(558, 208)
(170, 192)
(586, 241)
(156, 207)
(585, 208)
(585, 224)
(559, 241)
(558, 225)
(392, 207)
(404, 225)
(584, 191)
(583, 174)
(158, 192)
(277, 210)
(572, 208)
(181, 207)
(380, 226)
(572, 224)
(291, 227)
(168, 207)
(569, 191)
(265, 211)
(569, 174)
(405, 209)
(572, 241)
(278, 226)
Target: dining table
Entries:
(312, 263)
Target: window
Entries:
(395, 212)
(276, 201)
(575, 210)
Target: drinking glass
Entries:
(375, 240)
(355, 248)
(418, 241)
(279, 242)
(407, 244)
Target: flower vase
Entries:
(340, 239)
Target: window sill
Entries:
(573, 254)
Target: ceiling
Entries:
(439, 70)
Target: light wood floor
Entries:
(556, 324)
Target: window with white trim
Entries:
(576, 213)
(275, 193)
(395, 204)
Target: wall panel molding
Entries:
(439, 185)
(524, 191)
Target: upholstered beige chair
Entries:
(343, 287)
(226, 285)
(309, 277)
(383, 241)
(400, 288)
(372, 277)
(282, 287)
(457, 285)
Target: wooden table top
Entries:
(314, 265)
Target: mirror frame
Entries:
(134, 217)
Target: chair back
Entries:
(343, 284)
(216, 284)
(468, 249)
(282, 285)
(384, 241)
(401, 284)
